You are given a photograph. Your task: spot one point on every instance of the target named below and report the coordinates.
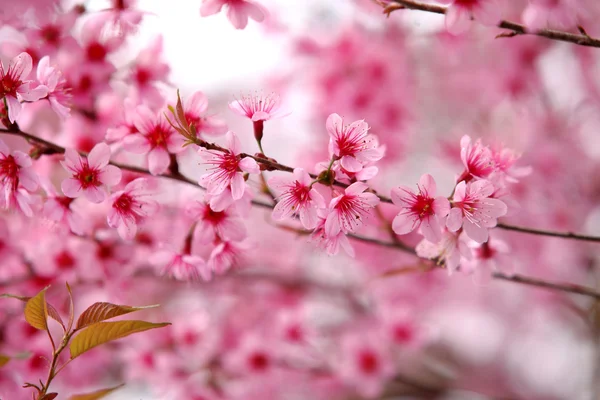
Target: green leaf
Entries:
(99, 312)
(103, 332)
(36, 311)
(98, 394)
(4, 359)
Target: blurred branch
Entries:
(564, 287)
(564, 235)
(582, 39)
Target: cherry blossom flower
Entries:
(52, 79)
(238, 11)
(491, 256)
(194, 107)
(351, 144)
(298, 198)
(227, 169)
(505, 160)
(63, 210)
(259, 108)
(459, 14)
(365, 363)
(155, 138)
(15, 171)
(561, 14)
(90, 176)
(474, 210)
(125, 125)
(331, 244)
(450, 250)
(147, 70)
(254, 355)
(422, 210)
(130, 206)
(348, 210)
(214, 225)
(477, 159)
(123, 15)
(226, 255)
(183, 267)
(14, 87)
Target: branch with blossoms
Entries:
(459, 13)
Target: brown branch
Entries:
(564, 235)
(564, 287)
(582, 39)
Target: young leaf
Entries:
(36, 311)
(52, 312)
(99, 312)
(49, 396)
(4, 359)
(71, 308)
(98, 394)
(103, 332)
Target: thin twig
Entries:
(564, 235)
(582, 39)
(564, 287)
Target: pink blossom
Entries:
(365, 363)
(22, 200)
(491, 256)
(214, 225)
(15, 171)
(238, 11)
(53, 80)
(298, 197)
(331, 244)
(227, 169)
(505, 160)
(348, 211)
(148, 70)
(259, 108)
(90, 176)
(558, 14)
(123, 15)
(183, 267)
(422, 210)
(460, 12)
(130, 206)
(227, 255)
(474, 210)
(14, 87)
(62, 209)
(155, 137)
(450, 250)
(477, 159)
(97, 44)
(254, 355)
(125, 125)
(194, 109)
(351, 144)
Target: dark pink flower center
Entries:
(214, 217)
(96, 52)
(368, 362)
(229, 163)
(9, 171)
(258, 361)
(158, 136)
(88, 177)
(64, 201)
(403, 333)
(300, 192)
(349, 146)
(51, 34)
(142, 76)
(9, 84)
(423, 206)
(123, 204)
(466, 3)
(294, 333)
(64, 260)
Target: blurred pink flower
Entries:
(450, 250)
(227, 169)
(90, 176)
(351, 144)
(348, 210)
(55, 83)
(183, 267)
(227, 255)
(474, 210)
(460, 12)
(331, 244)
(420, 210)
(477, 159)
(238, 11)
(15, 171)
(298, 198)
(155, 137)
(212, 225)
(557, 14)
(130, 207)
(14, 87)
(194, 107)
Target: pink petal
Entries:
(332, 224)
(237, 186)
(282, 211)
(14, 108)
(198, 102)
(238, 107)
(233, 143)
(261, 116)
(402, 196)
(113, 219)
(370, 199)
(110, 175)
(95, 194)
(71, 187)
(128, 229)
(441, 206)
(21, 65)
(34, 94)
(457, 19)
(405, 223)
(144, 119)
(99, 156)
(334, 125)
(211, 7)
(249, 165)
(431, 230)
(357, 188)
(204, 233)
(309, 218)
(427, 184)
(487, 12)
(137, 144)
(454, 220)
(460, 191)
(158, 161)
(351, 164)
(232, 229)
(237, 15)
(255, 11)
(477, 233)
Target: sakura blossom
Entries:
(130, 206)
(351, 144)
(15, 171)
(460, 12)
(420, 209)
(214, 225)
(297, 198)
(477, 159)
(238, 11)
(226, 169)
(155, 138)
(195, 108)
(450, 250)
(474, 210)
(348, 211)
(58, 95)
(183, 267)
(15, 86)
(258, 107)
(91, 176)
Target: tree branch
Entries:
(564, 287)
(564, 235)
(515, 29)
